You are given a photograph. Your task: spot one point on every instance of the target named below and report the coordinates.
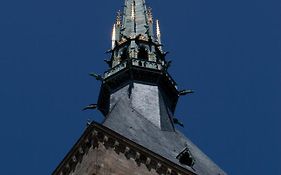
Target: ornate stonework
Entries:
(103, 151)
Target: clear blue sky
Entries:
(228, 51)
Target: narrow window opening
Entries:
(143, 53)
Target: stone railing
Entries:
(115, 69)
(139, 63)
(146, 64)
(133, 62)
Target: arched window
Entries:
(142, 54)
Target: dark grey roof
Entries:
(124, 120)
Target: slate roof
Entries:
(135, 9)
(126, 121)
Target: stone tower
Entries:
(138, 98)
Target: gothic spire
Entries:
(135, 18)
(138, 98)
(133, 35)
(138, 68)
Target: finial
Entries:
(113, 40)
(118, 19)
(158, 32)
(149, 14)
(133, 15)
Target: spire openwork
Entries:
(133, 35)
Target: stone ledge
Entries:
(97, 134)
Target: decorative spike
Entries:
(133, 15)
(158, 32)
(113, 40)
(149, 31)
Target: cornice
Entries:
(96, 134)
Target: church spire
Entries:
(138, 98)
(138, 67)
(135, 19)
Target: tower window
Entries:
(143, 53)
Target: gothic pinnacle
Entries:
(113, 40)
(118, 19)
(158, 33)
(133, 35)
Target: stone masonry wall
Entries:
(106, 161)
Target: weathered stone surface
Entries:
(106, 161)
(101, 150)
